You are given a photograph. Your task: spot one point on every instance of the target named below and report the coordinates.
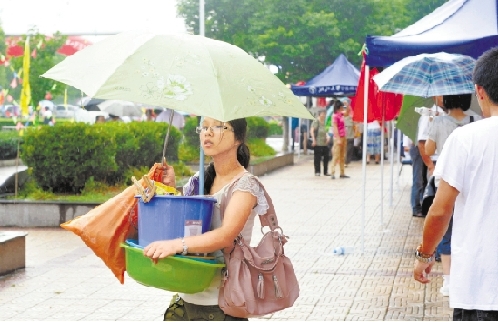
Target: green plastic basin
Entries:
(174, 274)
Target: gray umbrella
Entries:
(120, 108)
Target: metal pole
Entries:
(398, 157)
(382, 167)
(364, 161)
(201, 164)
(201, 17)
(201, 156)
(299, 139)
(391, 157)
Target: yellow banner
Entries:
(26, 89)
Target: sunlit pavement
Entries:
(64, 280)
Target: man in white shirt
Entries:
(468, 170)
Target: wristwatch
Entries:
(424, 258)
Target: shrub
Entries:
(190, 149)
(275, 128)
(258, 147)
(140, 144)
(8, 144)
(257, 127)
(64, 157)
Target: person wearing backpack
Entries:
(240, 200)
(457, 112)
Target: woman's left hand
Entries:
(161, 249)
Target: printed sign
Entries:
(193, 228)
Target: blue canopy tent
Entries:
(339, 79)
(468, 27)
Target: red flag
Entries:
(379, 102)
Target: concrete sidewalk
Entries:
(64, 280)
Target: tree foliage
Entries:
(3, 48)
(45, 57)
(302, 37)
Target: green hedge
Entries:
(257, 127)
(275, 128)
(64, 157)
(8, 144)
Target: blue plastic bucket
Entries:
(170, 217)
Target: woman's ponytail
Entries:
(243, 155)
(209, 175)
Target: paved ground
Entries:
(64, 280)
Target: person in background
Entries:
(114, 118)
(225, 143)
(349, 124)
(150, 116)
(100, 119)
(339, 137)
(468, 172)
(417, 176)
(422, 136)
(319, 142)
(374, 141)
(47, 116)
(455, 106)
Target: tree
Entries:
(303, 37)
(3, 49)
(43, 58)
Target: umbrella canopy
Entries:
(408, 116)
(428, 75)
(189, 73)
(44, 103)
(120, 108)
(178, 120)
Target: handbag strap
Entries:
(269, 219)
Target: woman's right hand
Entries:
(168, 174)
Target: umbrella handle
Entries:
(167, 136)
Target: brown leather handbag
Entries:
(258, 280)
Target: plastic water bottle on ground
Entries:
(341, 250)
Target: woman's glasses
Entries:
(213, 129)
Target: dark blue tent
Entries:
(339, 79)
(467, 27)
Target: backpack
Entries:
(257, 280)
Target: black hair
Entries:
(485, 73)
(461, 101)
(337, 106)
(243, 154)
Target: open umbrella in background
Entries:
(428, 75)
(120, 108)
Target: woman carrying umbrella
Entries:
(225, 143)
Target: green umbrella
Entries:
(188, 73)
(408, 118)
